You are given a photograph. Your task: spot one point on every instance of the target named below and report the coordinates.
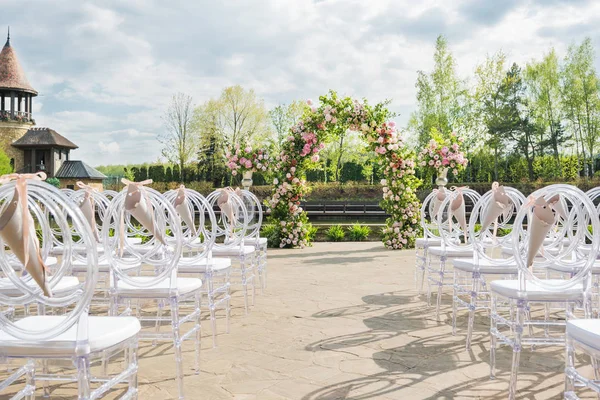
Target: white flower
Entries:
(275, 181)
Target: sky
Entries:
(106, 70)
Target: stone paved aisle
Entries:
(343, 321)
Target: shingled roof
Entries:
(78, 170)
(12, 76)
(43, 137)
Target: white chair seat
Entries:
(567, 269)
(60, 249)
(450, 252)
(104, 332)
(261, 241)
(485, 266)
(18, 266)
(103, 266)
(233, 251)
(184, 286)
(533, 292)
(422, 242)
(189, 265)
(586, 331)
(66, 284)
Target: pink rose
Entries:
(309, 102)
(248, 149)
(315, 158)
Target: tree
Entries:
(580, 98)
(440, 96)
(283, 117)
(543, 85)
(180, 140)
(176, 174)
(5, 165)
(168, 174)
(485, 113)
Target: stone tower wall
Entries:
(9, 132)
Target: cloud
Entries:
(110, 148)
(105, 71)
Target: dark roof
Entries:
(78, 170)
(44, 137)
(11, 74)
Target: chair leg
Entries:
(493, 339)
(83, 378)
(157, 324)
(198, 331)
(30, 380)
(244, 282)
(45, 387)
(472, 306)
(521, 307)
(440, 288)
(454, 302)
(570, 365)
(177, 345)
(132, 360)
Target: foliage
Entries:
(180, 141)
(5, 165)
(283, 117)
(358, 232)
(301, 151)
(54, 182)
(335, 233)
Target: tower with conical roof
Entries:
(16, 103)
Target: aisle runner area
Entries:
(342, 321)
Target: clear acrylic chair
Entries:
(101, 204)
(158, 282)
(488, 219)
(232, 230)
(518, 326)
(253, 238)
(582, 335)
(197, 260)
(439, 271)
(58, 327)
(431, 236)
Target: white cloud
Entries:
(110, 148)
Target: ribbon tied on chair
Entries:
(544, 217)
(457, 209)
(438, 199)
(88, 208)
(183, 209)
(17, 229)
(499, 204)
(138, 204)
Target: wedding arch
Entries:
(331, 117)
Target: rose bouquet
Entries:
(244, 158)
(441, 153)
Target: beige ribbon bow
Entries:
(26, 220)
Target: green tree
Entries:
(5, 166)
(580, 100)
(283, 117)
(543, 85)
(441, 96)
(168, 174)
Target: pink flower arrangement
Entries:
(244, 158)
(441, 153)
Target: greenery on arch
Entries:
(332, 117)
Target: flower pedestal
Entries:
(442, 179)
(247, 180)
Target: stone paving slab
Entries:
(343, 321)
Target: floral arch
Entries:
(301, 148)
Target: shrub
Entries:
(358, 232)
(335, 233)
(312, 232)
(54, 182)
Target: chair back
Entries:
(50, 209)
(160, 230)
(453, 219)
(232, 217)
(539, 219)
